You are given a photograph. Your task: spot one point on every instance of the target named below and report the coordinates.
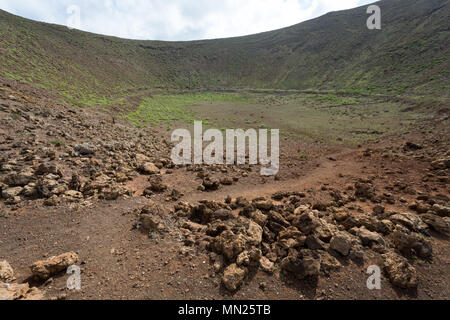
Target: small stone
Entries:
(85, 149)
(243, 259)
(12, 192)
(410, 220)
(267, 265)
(303, 264)
(264, 205)
(255, 233)
(379, 210)
(219, 263)
(228, 181)
(223, 214)
(43, 270)
(342, 243)
(9, 292)
(263, 286)
(328, 262)
(368, 237)
(411, 146)
(233, 277)
(259, 217)
(46, 168)
(399, 271)
(364, 190)
(441, 225)
(149, 168)
(151, 222)
(18, 180)
(314, 243)
(211, 184)
(6, 272)
(442, 211)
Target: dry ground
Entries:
(120, 262)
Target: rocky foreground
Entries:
(288, 234)
(387, 209)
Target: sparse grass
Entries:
(311, 118)
(13, 76)
(15, 116)
(93, 70)
(173, 108)
(334, 100)
(57, 142)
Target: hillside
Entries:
(88, 182)
(336, 51)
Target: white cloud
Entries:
(179, 19)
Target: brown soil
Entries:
(120, 262)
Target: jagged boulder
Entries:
(441, 225)
(411, 221)
(211, 184)
(230, 244)
(85, 149)
(233, 277)
(45, 269)
(6, 272)
(399, 271)
(365, 190)
(11, 193)
(303, 264)
(9, 292)
(408, 242)
(267, 265)
(307, 222)
(442, 211)
(368, 238)
(440, 164)
(47, 168)
(342, 242)
(18, 180)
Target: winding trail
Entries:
(327, 171)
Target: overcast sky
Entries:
(177, 19)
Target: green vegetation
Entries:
(328, 79)
(335, 52)
(15, 116)
(334, 100)
(170, 108)
(311, 117)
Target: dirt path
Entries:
(325, 172)
(121, 263)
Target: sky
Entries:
(176, 20)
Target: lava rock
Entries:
(45, 269)
(233, 277)
(399, 271)
(6, 272)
